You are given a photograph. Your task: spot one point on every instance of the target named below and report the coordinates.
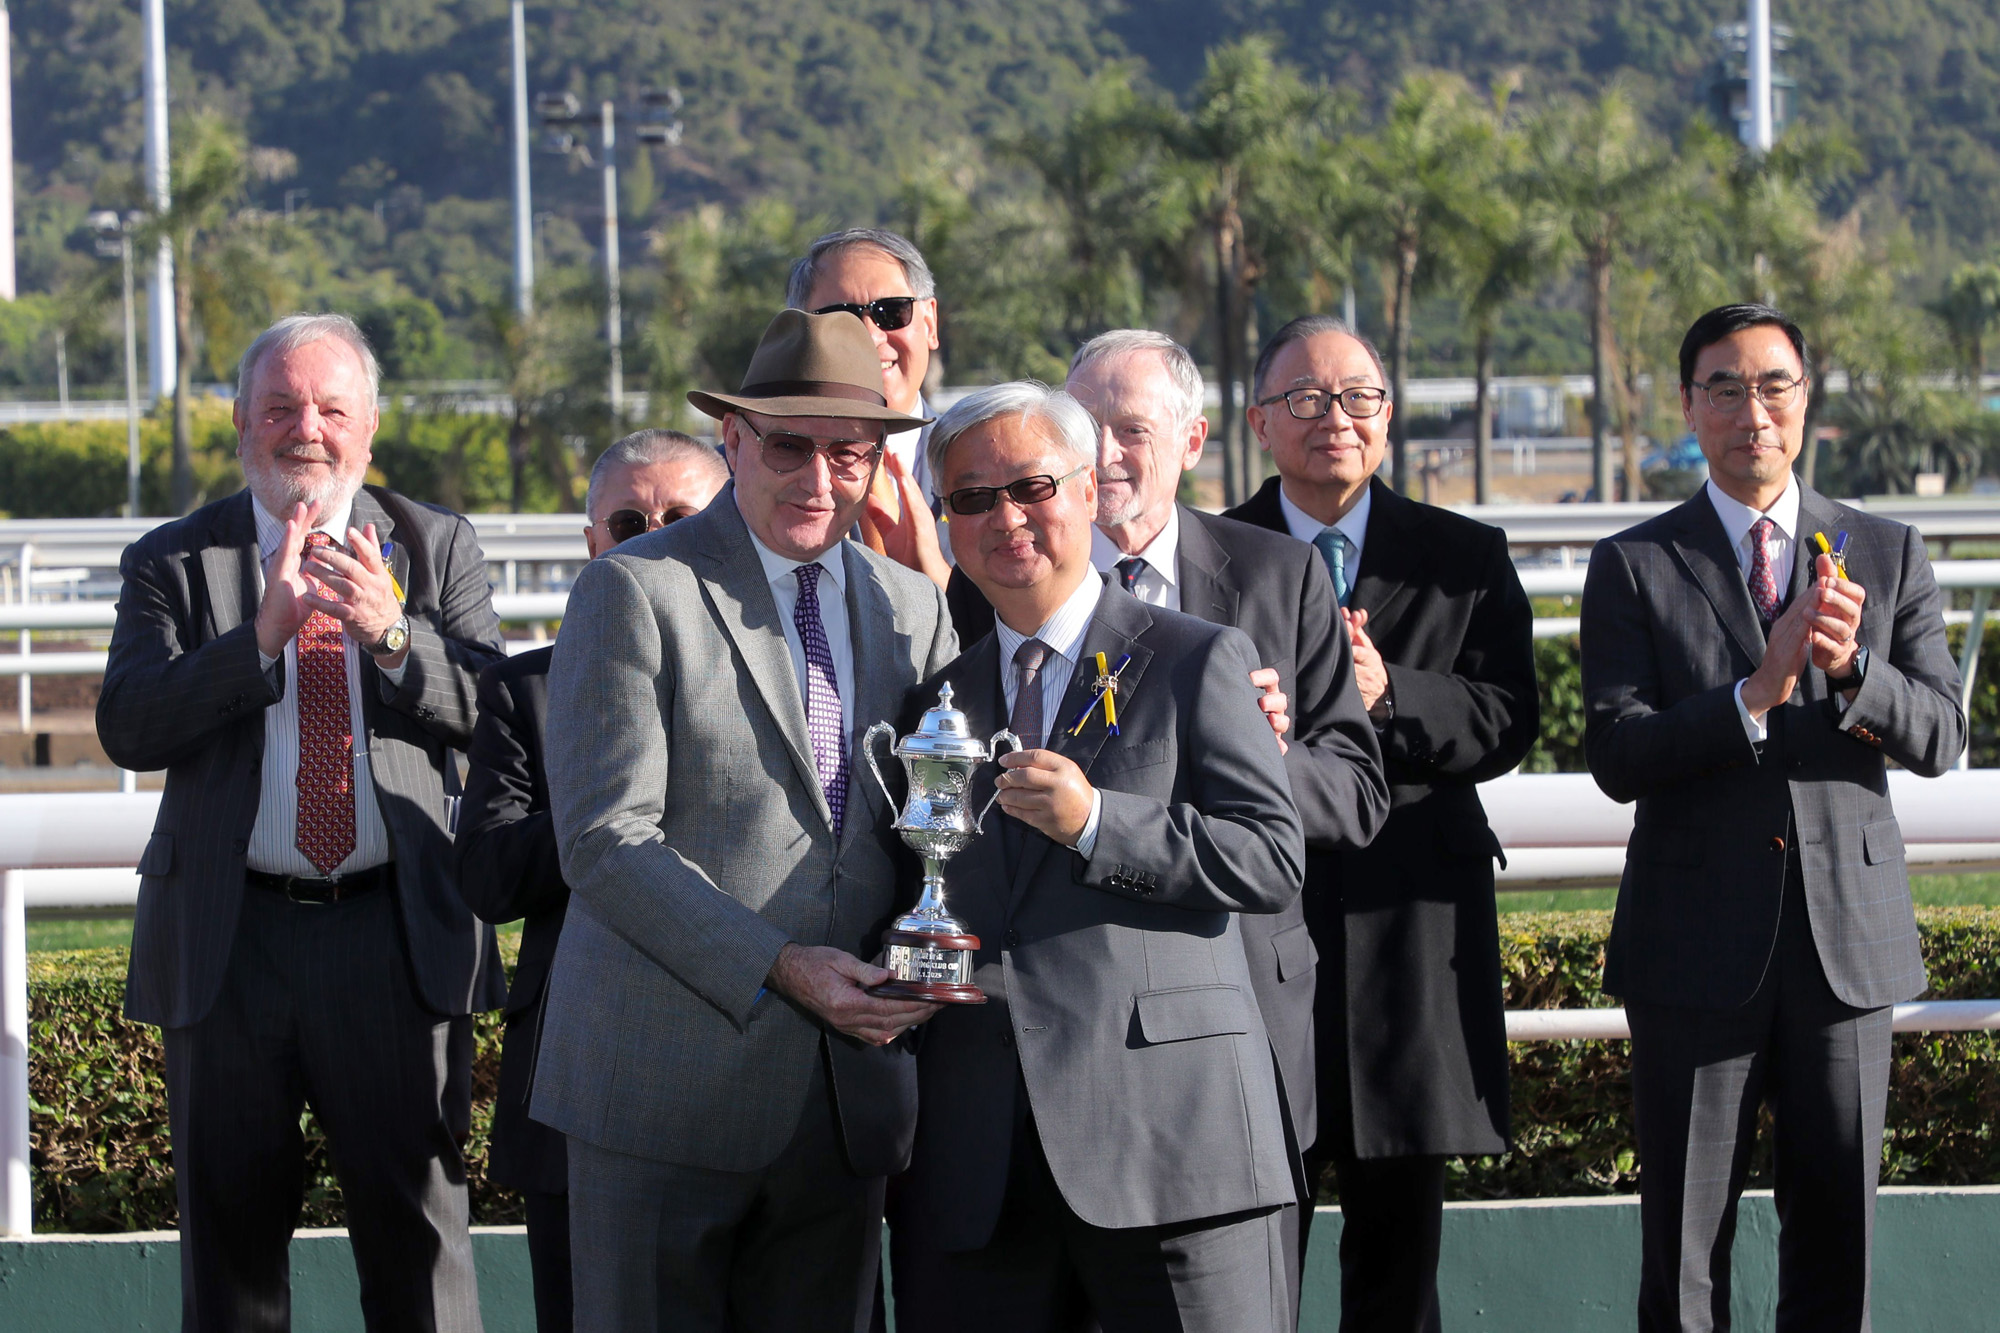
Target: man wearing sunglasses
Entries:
(508, 868)
(731, 1096)
(881, 279)
(1102, 1143)
(1410, 1025)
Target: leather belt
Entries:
(302, 889)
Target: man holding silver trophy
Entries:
(1101, 1141)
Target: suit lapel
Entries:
(734, 578)
(367, 509)
(871, 630)
(1114, 631)
(1816, 514)
(229, 566)
(1393, 560)
(1207, 591)
(1704, 550)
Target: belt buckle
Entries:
(291, 891)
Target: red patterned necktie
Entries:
(326, 738)
(1763, 579)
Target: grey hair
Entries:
(295, 331)
(806, 271)
(1181, 369)
(1068, 423)
(1300, 329)
(642, 448)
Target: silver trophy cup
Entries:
(930, 953)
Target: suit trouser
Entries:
(687, 1249)
(1392, 1230)
(1046, 1270)
(1697, 1079)
(549, 1260)
(317, 1007)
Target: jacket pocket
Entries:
(1882, 841)
(1188, 1012)
(1125, 758)
(158, 858)
(1296, 953)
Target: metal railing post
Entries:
(24, 692)
(17, 1196)
(1968, 663)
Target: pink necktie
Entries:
(1763, 579)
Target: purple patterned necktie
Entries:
(829, 737)
(1763, 579)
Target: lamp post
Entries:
(656, 125)
(114, 237)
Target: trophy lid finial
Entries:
(942, 733)
(944, 695)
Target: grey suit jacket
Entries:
(1120, 996)
(185, 691)
(697, 843)
(1668, 630)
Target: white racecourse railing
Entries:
(75, 850)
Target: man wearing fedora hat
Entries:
(733, 1096)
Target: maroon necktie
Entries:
(1763, 579)
(326, 738)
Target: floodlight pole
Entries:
(1762, 132)
(524, 217)
(612, 317)
(160, 332)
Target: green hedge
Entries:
(100, 1118)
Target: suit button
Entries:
(1006, 1039)
(1777, 844)
(239, 846)
(1013, 939)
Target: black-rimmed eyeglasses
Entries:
(888, 313)
(1312, 404)
(971, 500)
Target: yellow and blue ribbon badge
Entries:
(1104, 691)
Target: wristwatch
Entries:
(1857, 671)
(394, 639)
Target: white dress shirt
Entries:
(275, 834)
(1737, 520)
(1160, 582)
(782, 574)
(1352, 525)
(1062, 634)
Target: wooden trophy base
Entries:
(935, 992)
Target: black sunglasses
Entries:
(888, 312)
(625, 524)
(1027, 491)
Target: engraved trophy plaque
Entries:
(929, 952)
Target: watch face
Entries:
(395, 637)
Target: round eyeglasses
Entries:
(1727, 394)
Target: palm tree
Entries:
(1610, 183)
(1234, 160)
(1415, 192)
(1969, 309)
(226, 282)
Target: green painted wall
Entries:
(1551, 1266)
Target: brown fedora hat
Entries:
(811, 366)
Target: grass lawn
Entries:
(107, 932)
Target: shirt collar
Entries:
(1353, 525)
(1162, 554)
(271, 528)
(1062, 632)
(1737, 517)
(777, 566)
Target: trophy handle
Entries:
(1013, 742)
(868, 748)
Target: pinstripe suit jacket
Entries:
(185, 691)
(696, 843)
(1668, 630)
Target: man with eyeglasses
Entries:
(508, 867)
(1746, 691)
(1102, 1143)
(1410, 1024)
(881, 278)
(728, 1086)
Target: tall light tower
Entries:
(613, 316)
(160, 347)
(524, 216)
(1762, 122)
(6, 154)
